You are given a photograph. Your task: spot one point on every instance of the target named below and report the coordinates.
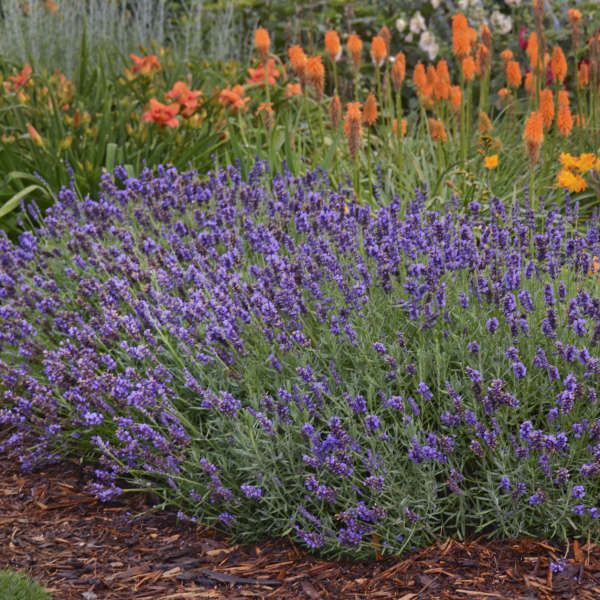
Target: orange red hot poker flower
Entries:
(463, 36)
(262, 42)
(534, 135)
(315, 73)
(298, 59)
(370, 110)
(378, 50)
(398, 71)
(333, 46)
(352, 127)
(558, 64)
(355, 49)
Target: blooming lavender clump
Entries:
(275, 357)
(492, 324)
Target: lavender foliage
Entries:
(271, 357)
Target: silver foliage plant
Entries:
(40, 35)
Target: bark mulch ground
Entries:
(79, 548)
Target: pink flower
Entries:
(523, 38)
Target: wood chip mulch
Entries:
(79, 548)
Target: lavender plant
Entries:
(271, 357)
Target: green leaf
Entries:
(111, 154)
(13, 202)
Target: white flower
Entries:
(417, 23)
(400, 24)
(435, 3)
(463, 4)
(501, 23)
(513, 2)
(409, 38)
(428, 44)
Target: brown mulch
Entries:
(79, 548)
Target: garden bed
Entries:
(78, 547)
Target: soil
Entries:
(79, 548)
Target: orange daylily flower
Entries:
(186, 98)
(145, 64)
(292, 89)
(257, 76)
(233, 97)
(18, 81)
(34, 136)
(162, 114)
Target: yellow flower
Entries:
(570, 181)
(586, 162)
(567, 161)
(595, 265)
(491, 161)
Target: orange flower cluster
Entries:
(564, 118)
(558, 64)
(463, 36)
(292, 89)
(335, 111)
(257, 75)
(298, 59)
(506, 56)
(233, 97)
(370, 111)
(352, 127)
(403, 127)
(145, 64)
(398, 71)
(262, 42)
(546, 107)
(584, 75)
(162, 114)
(434, 85)
(315, 73)
(513, 74)
(378, 50)
(18, 81)
(355, 49)
(532, 50)
(333, 46)
(534, 135)
(468, 68)
(437, 130)
(186, 98)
